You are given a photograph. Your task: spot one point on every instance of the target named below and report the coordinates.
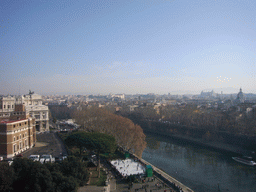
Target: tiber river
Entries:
(200, 169)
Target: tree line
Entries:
(214, 120)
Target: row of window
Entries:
(19, 124)
(20, 146)
(6, 114)
(18, 113)
(24, 135)
(8, 107)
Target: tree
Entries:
(126, 133)
(64, 184)
(6, 177)
(76, 140)
(72, 166)
(31, 176)
(100, 142)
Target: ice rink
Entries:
(128, 167)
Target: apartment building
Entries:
(17, 132)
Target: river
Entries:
(199, 168)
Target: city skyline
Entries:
(131, 47)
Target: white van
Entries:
(34, 157)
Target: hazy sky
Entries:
(127, 46)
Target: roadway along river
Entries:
(200, 169)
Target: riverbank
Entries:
(163, 176)
(216, 146)
(169, 180)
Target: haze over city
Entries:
(102, 47)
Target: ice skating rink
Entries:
(128, 167)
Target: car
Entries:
(1, 158)
(47, 158)
(58, 159)
(9, 161)
(42, 160)
(64, 157)
(34, 157)
(19, 155)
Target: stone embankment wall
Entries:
(170, 181)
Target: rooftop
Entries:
(5, 121)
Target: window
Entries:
(15, 148)
(12, 106)
(4, 106)
(20, 136)
(17, 137)
(20, 124)
(13, 138)
(8, 106)
(13, 126)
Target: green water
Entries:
(199, 168)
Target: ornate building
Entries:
(240, 97)
(33, 105)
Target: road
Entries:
(47, 143)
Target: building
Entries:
(240, 97)
(17, 132)
(33, 105)
(6, 106)
(208, 95)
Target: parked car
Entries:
(58, 159)
(9, 160)
(64, 157)
(47, 158)
(19, 155)
(1, 158)
(34, 157)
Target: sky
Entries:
(127, 46)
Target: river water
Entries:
(199, 168)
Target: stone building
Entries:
(208, 95)
(33, 105)
(240, 97)
(17, 132)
